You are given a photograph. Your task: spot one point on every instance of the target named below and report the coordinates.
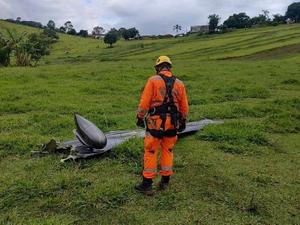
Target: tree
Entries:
(51, 25)
(177, 28)
(110, 38)
(18, 47)
(51, 34)
(130, 33)
(72, 32)
(13, 38)
(27, 23)
(133, 32)
(97, 31)
(125, 34)
(68, 26)
(266, 14)
(32, 24)
(261, 19)
(279, 19)
(293, 12)
(122, 31)
(83, 33)
(258, 20)
(241, 20)
(28, 49)
(115, 31)
(38, 46)
(31, 48)
(62, 29)
(214, 20)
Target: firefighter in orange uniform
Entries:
(163, 111)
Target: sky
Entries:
(148, 16)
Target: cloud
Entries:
(150, 17)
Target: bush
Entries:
(51, 34)
(28, 49)
(5, 51)
(32, 49)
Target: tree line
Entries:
(109, 38)
(68, 28)
(242, 20)
(235, 21)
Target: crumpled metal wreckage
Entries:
(91, 142)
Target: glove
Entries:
(182, 125)
(140, 122)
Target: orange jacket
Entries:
(155, 91)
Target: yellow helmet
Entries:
(163, 59)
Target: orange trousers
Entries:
(151, 147)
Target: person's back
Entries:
(164, 104)
(155, 91)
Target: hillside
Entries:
(245, 171)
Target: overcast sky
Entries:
(148, 16)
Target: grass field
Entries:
(245, 171)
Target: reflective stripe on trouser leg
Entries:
(151, 146)
(166, 158)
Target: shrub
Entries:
(32, 49)
(51, 34)
(28, 49)
(5, 51)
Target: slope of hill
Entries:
(245, 171)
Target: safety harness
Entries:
(167, 107)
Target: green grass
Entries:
(245, 171)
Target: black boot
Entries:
(164, 182)
(145, 187)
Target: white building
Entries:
(199, 29)
(289, 21)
